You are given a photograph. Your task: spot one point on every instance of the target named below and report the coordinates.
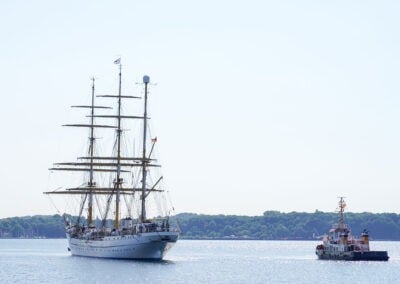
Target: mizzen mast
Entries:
(91, 150)
(91, 184)
(87, 191)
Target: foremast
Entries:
(146, 81)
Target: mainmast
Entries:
(118, 159)
(146, 80)
(118, 181)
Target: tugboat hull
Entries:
(371, 255)
(356, 255)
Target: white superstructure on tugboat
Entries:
(339, 244)
(118, 185)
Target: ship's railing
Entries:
(160, 225)
(156, 225)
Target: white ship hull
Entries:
(151, 246)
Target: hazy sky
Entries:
(259, 105)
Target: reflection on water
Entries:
(48, 261)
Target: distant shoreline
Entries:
(272, 225)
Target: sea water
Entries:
(48, 261)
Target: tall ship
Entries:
(120, 207)
(339, 244)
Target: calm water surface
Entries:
(47, 261)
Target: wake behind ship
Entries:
(125, 183)
(339, 244)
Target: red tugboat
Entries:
(339, 244)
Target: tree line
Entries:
(272, 225)
(39, 226)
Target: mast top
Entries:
(146, 79)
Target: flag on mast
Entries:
(117, 61)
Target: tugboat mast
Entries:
(146, 80)
(342, 205)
